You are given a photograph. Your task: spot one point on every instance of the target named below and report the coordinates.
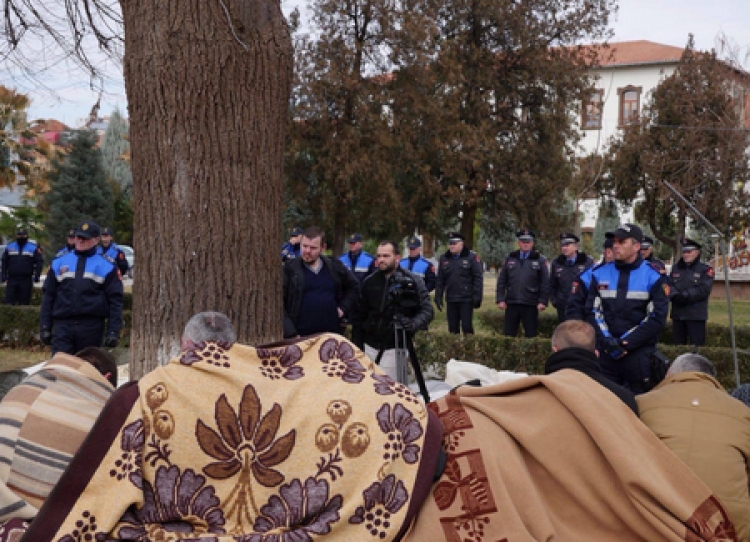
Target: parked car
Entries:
(130, 257)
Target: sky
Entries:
(69, 97)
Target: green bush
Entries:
(717, 335)
(435, 349)
(36, 298)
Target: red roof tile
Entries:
(631, 53)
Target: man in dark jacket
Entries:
(523, 286)
(647, 253)
(81, 291)
(461, 279)
(565, 269)
(574, 347)
(319, 292)
(627, 303)
(358, 261)
(692, 281)
(390, 297)
(22, 264)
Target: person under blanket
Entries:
(237, 443)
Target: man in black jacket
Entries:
(523, 286)
(319, 292)
(461, 278)
(692, 281)
(574, 347)
(564, 270)
(391, 296)
(22, 263)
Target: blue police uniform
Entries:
(627, 303)
(115, 253)
(361, 264)
(65, 250)
(422, 268)
(21, 262)
(81, 291)
(289, 251)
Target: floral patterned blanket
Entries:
(289, 442)
(560, 458)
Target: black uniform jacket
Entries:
(344, 281)
(691, 286)
(562, 275)
(523, 282)
(461, 279)
(377, 307)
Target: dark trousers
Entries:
(462, 313)
(689, 332)
(18, 291)
(561, 314)
(73, 335)
(516, 314)
(633, 371)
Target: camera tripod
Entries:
(404, 347)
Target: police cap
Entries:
(689, 244)
(107, 231)
(525, 235)
(72, 232)
(455, 237)
(647, 242)
(22, 231)
(567, 238)
(625, 231)
(414, 242)
(609, 242)
(294, 232)
(355, 238)
(88, 229)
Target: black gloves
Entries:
(477, 303)
(439, 303)
(111, 341)
(613, 347)
(408, 324)
(46, 336)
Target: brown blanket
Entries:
(288, 442)
(560, 458)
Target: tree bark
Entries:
(208, 90)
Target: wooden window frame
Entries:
(621, 105)
(584, 115)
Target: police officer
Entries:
(81, 291)
(70, 246)
(691, 285)
(22, 263)
(576, 306)
(647, 253)
(112, 251)
(564, 270)
(357, 260)
(461, 278)
(627, 304)
(291, 249)
(418, 265)
(523, 286)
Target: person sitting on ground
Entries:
(709, 430)
(560, 458)
(230, 443)
(44, 420)
(574, 347)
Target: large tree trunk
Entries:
(208, 89)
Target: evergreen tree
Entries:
(78, 189)
(116, 153)
(608, 220)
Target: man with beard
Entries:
(319, 292)
(110, 250)
(565, 269)
(627, 303)
(390, 296)
(692, 281)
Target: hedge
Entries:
(717, 335)
(435, 349)
(36, 298)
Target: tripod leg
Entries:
(417, 369)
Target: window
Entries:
(630, 99)
(591, 116)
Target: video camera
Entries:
(403, 294)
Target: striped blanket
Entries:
(229, 443)
(43, 421)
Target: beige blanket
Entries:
(288, 442)
(560, 458)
